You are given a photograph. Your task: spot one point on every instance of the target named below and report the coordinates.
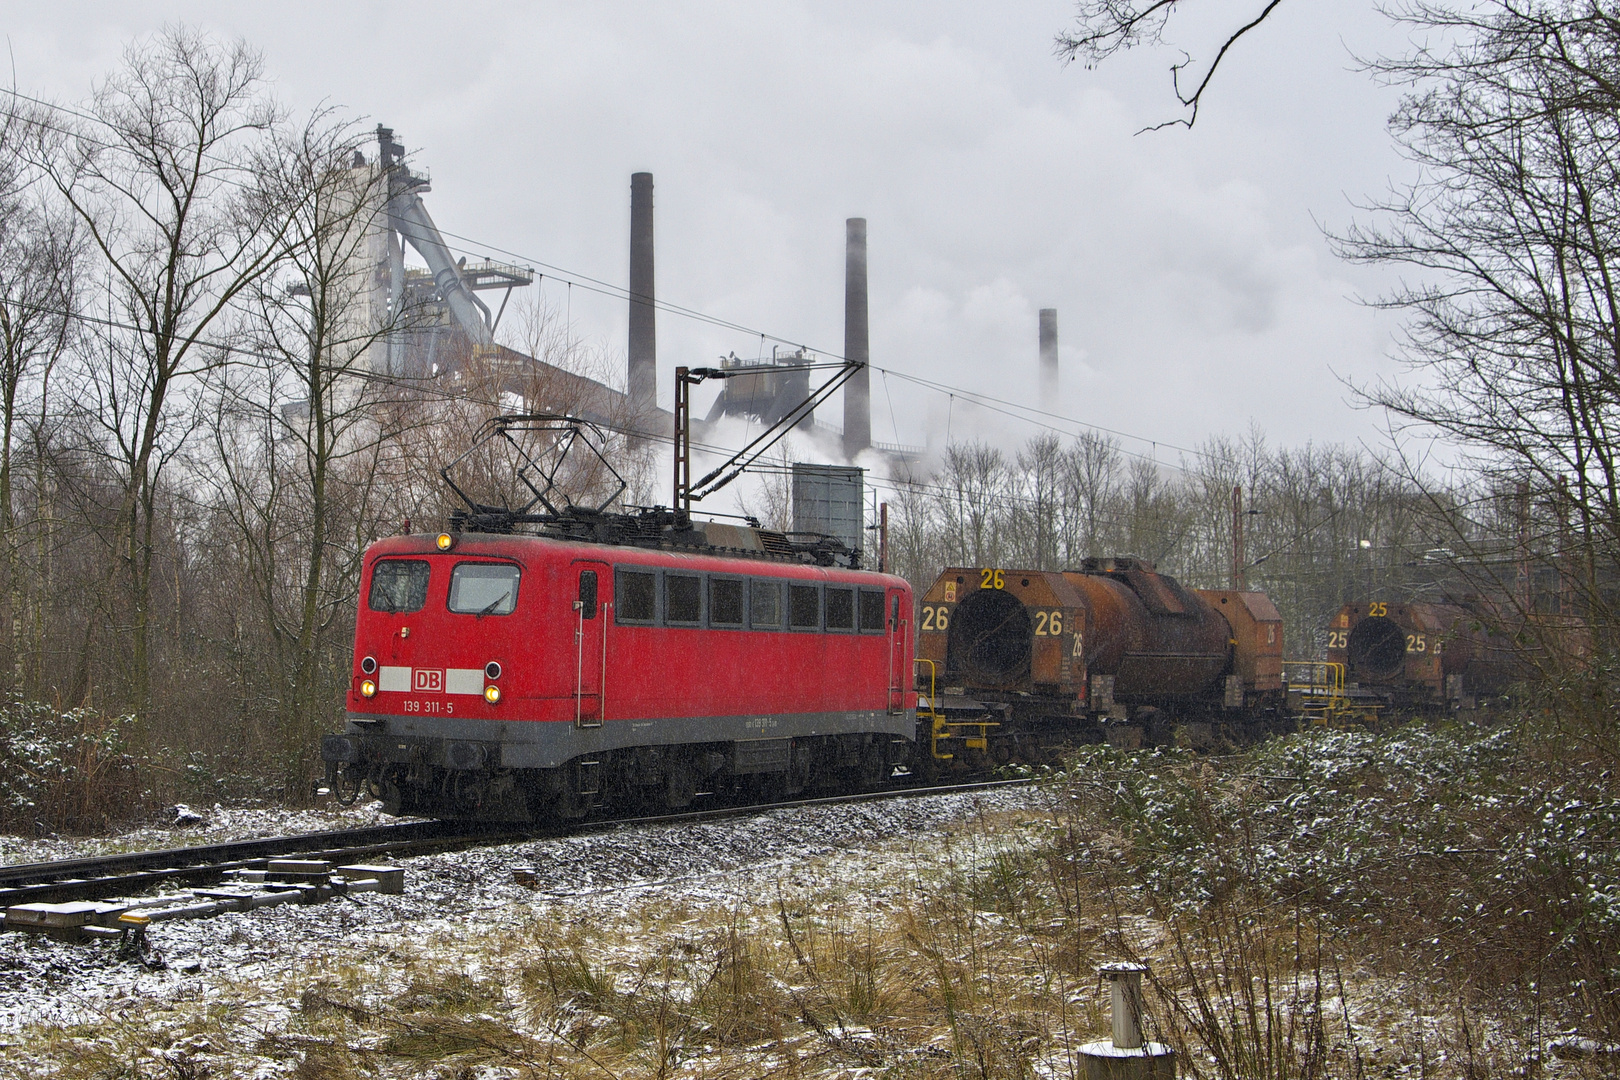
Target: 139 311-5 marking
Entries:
(430, 706)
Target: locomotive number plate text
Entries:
(430, 706)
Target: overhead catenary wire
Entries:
(598, 285)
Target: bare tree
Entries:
(295, 438)
(155, 171)
(40, 257)
(974, 476)
(1090, 484)
(1513, 235)
(1105, 27)
(1039, 473)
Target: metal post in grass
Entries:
(1127, 1056)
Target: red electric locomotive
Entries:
(516, 677)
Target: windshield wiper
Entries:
(489, 609)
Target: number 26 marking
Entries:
(991, 579)
(1049, 624)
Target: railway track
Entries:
(131, 873)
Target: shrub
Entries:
(68, 770)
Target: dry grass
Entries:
(971, 953)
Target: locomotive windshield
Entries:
(484, 589)
(398, 585)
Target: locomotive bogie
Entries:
(504, 677)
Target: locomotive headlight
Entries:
(369, 665)
(368, 688)
(492, 694)
(444, 541)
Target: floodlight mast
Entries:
(686, 492)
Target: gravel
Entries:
(42, 980)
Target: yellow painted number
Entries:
(990, 579)
(1416, 643)
(936, 618)
(1377, 609)
(1076, 651)
(1338, 639)
(1049, 624)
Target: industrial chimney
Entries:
(643, 345)
(1049, 356)
(858, 390)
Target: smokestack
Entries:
(857, 348)
(1049, 356)
(643, 347)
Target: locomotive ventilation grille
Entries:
(990, 638)
(1377, 649)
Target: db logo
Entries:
(425, 679)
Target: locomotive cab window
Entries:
(725, 601)
(840, 608)
(804, 607)
(765, 604)
(635, 596)
(484, 588)
(398, 585)
(871, 611)
(683, 600)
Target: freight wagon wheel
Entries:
(990, 639)
(1377, 649)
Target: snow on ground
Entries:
(595, 875)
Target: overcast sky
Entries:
(1195, 292)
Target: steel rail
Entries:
(128, 873)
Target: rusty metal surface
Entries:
(1050, 633)
(1429, 651)
(1158, 639)
(1257, 636)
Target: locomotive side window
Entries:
(872, 611)
(765, 604)
(683, 600)
(840, 609)
(587, 593)
(483, 588)
(635, 596)
(398, 585)
(725, 601)
(804, 607)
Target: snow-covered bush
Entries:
(65, 770)
(1442, 844)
